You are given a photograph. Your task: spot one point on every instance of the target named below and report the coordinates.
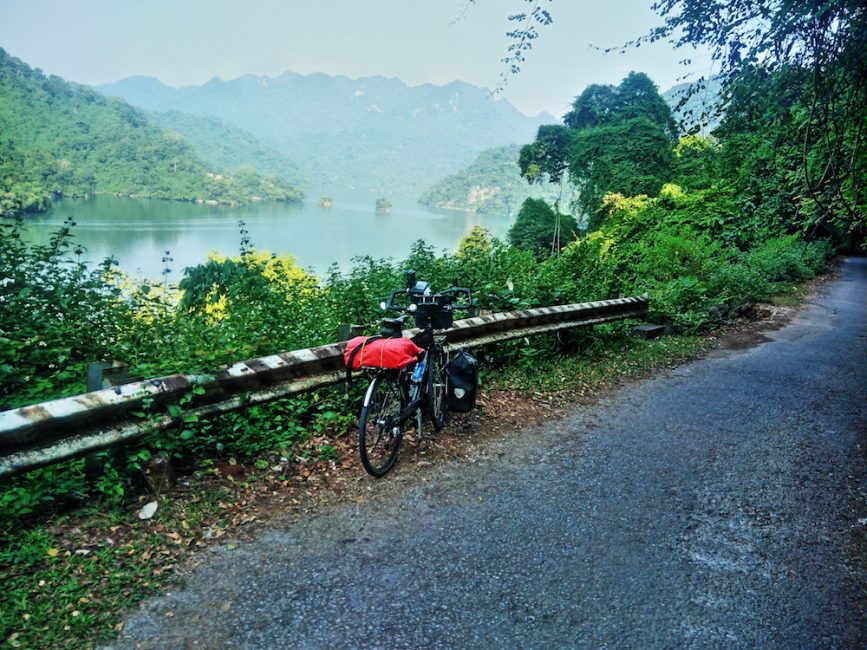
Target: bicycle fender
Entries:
(369, 393)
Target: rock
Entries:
(147, 510)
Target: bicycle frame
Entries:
(414, 403)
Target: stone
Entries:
(648, 331)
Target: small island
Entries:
(383, 206)
(325, 201)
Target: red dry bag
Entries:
(376, 352)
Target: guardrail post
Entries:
(648, 331)
(346, 331)
(105, 374)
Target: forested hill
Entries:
(62, 138)
(370, 133)
(492, 184)
(227, 147)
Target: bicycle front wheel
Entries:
(437, 389)
(379, 432)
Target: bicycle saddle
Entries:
(392, 327)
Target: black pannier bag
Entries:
(463, 382)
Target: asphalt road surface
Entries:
(720, 505)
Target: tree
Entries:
(615, 139)
(822, 43)
(635, 97)
(541, 230)
(632, 157)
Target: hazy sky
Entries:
(191, 41)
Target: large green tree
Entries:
(540, 229)
(615, 139)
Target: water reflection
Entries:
(138, 232)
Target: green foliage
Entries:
(636, 97)
(615, 139)
(541, 230)
(631, 157)
(20, 186)
(55, 312)
(787, 259)
(547, 158)
(61, 138)
(696, 161)
(792, 75)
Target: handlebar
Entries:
(420, 294)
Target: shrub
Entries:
(780, 259)
(56, 314)
(684, 302)
(737, 284)
(541, 230)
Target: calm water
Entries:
(138, 232)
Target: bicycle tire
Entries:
(437, 389)
(379, 435)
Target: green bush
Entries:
(683, 302)
(780, 259)
(736, 284)
(56, 314)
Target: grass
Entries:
(67, 579)
(599, 368)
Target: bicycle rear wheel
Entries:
(379, 432)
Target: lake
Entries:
(138, 232)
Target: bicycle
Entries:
(395, 396)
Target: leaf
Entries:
(52, 552)
(174, 410)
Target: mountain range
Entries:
(59, 138)
(371, 133)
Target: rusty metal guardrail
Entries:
(41, 434)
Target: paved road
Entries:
(715, 506)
